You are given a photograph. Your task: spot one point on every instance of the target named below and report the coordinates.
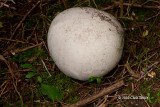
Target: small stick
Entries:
(100, 94)
(3, 90)
(6, 5)
(109, 7)
(3, 84)
(22, 50)
(81, 85)
(34, 29)
(13, 1)
(45, 45)
(145, 101)
(106, 104)
(131, 71)
(12, 76)
(14, 40)
(95, 4)
(153, 16)
(45, 67)
(140, 6)
(23, 19)
(100, 103)
(149, 67)
(121, 7)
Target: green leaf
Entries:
(91, 79)
(150, 101)
(30, 75)
(98, 80)
(149, 97)
(145, 33)
(39, 79)
(52, 92)
(29, 66)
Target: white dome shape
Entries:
(85, 42)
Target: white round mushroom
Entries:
(85, 42)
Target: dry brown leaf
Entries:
(152, 74)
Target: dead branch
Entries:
(98, 95)
(23, 19)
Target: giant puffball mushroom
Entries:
(85, 42)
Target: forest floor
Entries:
(24, 57)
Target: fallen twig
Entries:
(102, 102)
(121, 7)
(6, 5)
(109, 7)
(22, 50)
(45, 67)
(113, 99)
(2, 91)
(95, 4)
(23, 19)
(76, 89)
(15, 40)
(149, 67)
(138, 5)
(153, 16)
(98, 95)
(12, 76)
(131, 71)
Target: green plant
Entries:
(23, 57)
(149, 98)
(98, 79)
(143, 31)
(52, 92)
(29, 66)
(147, 89)
(72, 99)
(54, 87)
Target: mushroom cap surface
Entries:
(85, 42)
